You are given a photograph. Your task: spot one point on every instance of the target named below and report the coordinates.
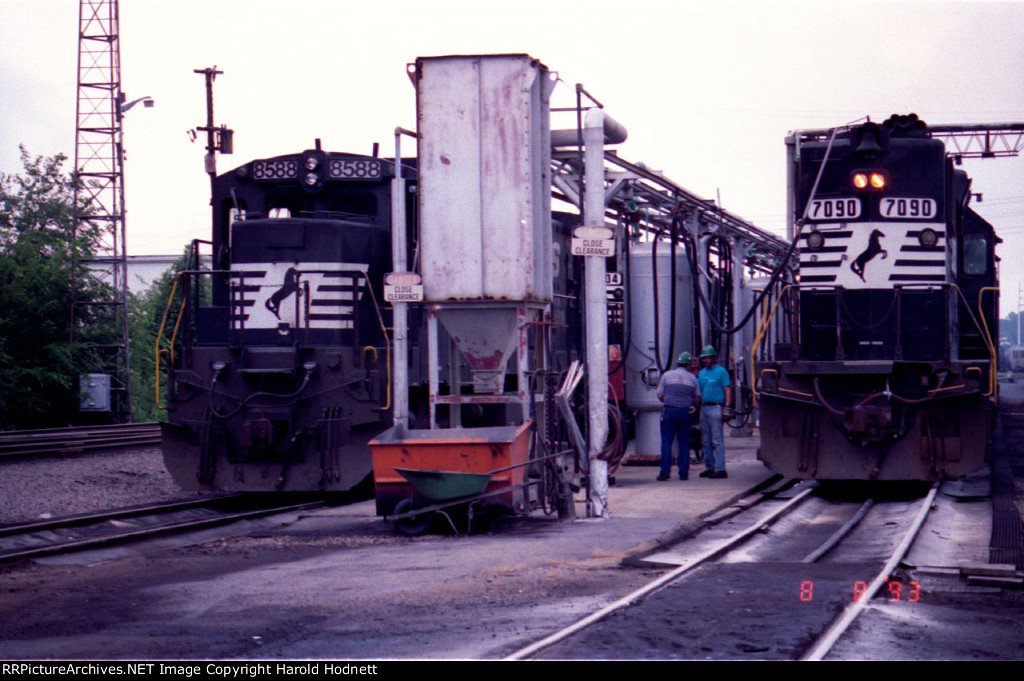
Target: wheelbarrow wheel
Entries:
(415, 525)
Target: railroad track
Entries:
(779, 576)
(79, 439)
(62, 535)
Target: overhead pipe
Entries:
(614, 133)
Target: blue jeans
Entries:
(675, 426)
(712, 438)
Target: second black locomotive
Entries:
(892, 372)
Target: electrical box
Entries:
(94, 392)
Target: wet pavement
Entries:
(339, 583)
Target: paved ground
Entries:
(338, 583)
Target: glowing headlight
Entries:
(869, 180)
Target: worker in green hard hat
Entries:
(716, 391)
(679, 391)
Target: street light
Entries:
(147, 102)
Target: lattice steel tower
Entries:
(99, 202)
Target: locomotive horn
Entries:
(869, 140)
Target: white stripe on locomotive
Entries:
(264, 295)
(874, 255)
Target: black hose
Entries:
(673, 233)
(776, 274)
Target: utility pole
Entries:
(217, 139)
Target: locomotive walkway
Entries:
(637, 494)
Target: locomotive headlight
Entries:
(928, 237)
(312, 171)
(869, 180)
(815, 239)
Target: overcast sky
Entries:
(708, 90)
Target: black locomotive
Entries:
(279, 373)
(891, 372)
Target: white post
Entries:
(597, 313)
(400, 362)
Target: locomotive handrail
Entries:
(160, 334)
(982, 327)
(990, 345)
(983, 330)
(387, 339)
(766, 319)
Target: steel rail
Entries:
(828, 639)
(666, 579)
(122, 535)
(87, 518)
(71, 440)
(839, 534)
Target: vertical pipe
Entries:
(736, 339)
(399, 258)
(791, 182)
(741, 304)
(432, 363)
(703, 268)
(597, 312)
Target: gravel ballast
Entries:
(53, 486)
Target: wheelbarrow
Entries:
(442, 490)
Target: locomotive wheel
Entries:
(413, 526)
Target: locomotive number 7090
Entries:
(833, 209)
(908, 208)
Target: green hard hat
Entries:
(684, 358)
(708, 351)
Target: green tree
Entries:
(147, 312)
(39, 367)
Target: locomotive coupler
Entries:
(865, 425)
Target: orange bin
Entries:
(501, 450)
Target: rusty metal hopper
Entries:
(486, 337)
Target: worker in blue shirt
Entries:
(716, 390)
(679, 391)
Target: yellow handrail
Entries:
(987, 337)
(160, 335)
(992, 378)
(759, 336)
